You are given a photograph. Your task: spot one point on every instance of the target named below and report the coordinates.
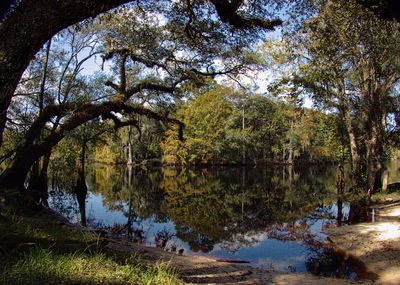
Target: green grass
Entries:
(42, 251)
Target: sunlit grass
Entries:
(37, 251)
(43, 266)
(160, 273)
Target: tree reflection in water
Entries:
(214, 210)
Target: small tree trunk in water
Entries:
(130, 158)
(81, 192)
(130, 210)
(340, 183)
(290, 157)
(81, 188)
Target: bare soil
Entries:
(376, 244)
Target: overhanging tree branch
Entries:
(228, 11)
(27, 27)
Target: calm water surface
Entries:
(270, 217)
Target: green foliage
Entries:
(205, 118)
(112, 151)
(347, 60)
(273, 130)
(174, 150)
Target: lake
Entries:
(271, 217)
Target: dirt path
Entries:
(201, 270)
(376, 244)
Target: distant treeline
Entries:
(223, 126)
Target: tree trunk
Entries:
(375, 126)
(81, 188)
(44, 78)
(130, 210)
(13, 178)
(354, 149)
(290, 157)
(38, 180)
(8, 83)
(372, 162)
(385, 181)
(340, 184)
(358, 211)
(130, 157)
(244, 139)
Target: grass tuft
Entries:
(38, 251)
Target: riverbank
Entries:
(45, 249)
(377, 243)
(157, 162)
(202, 270)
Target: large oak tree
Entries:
(27, 25)
(154, 46)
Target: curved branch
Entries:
(228, 13)
(152, 86)
(47, 113)
(138, 109)
(120, 124)
(113, 85)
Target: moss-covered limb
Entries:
(44, 250)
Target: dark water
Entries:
(270, 217)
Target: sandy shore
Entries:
(201, 270)
(376, 244)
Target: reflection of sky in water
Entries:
(182, 195)
(94, 206)
(270, 253)
(255, 247)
